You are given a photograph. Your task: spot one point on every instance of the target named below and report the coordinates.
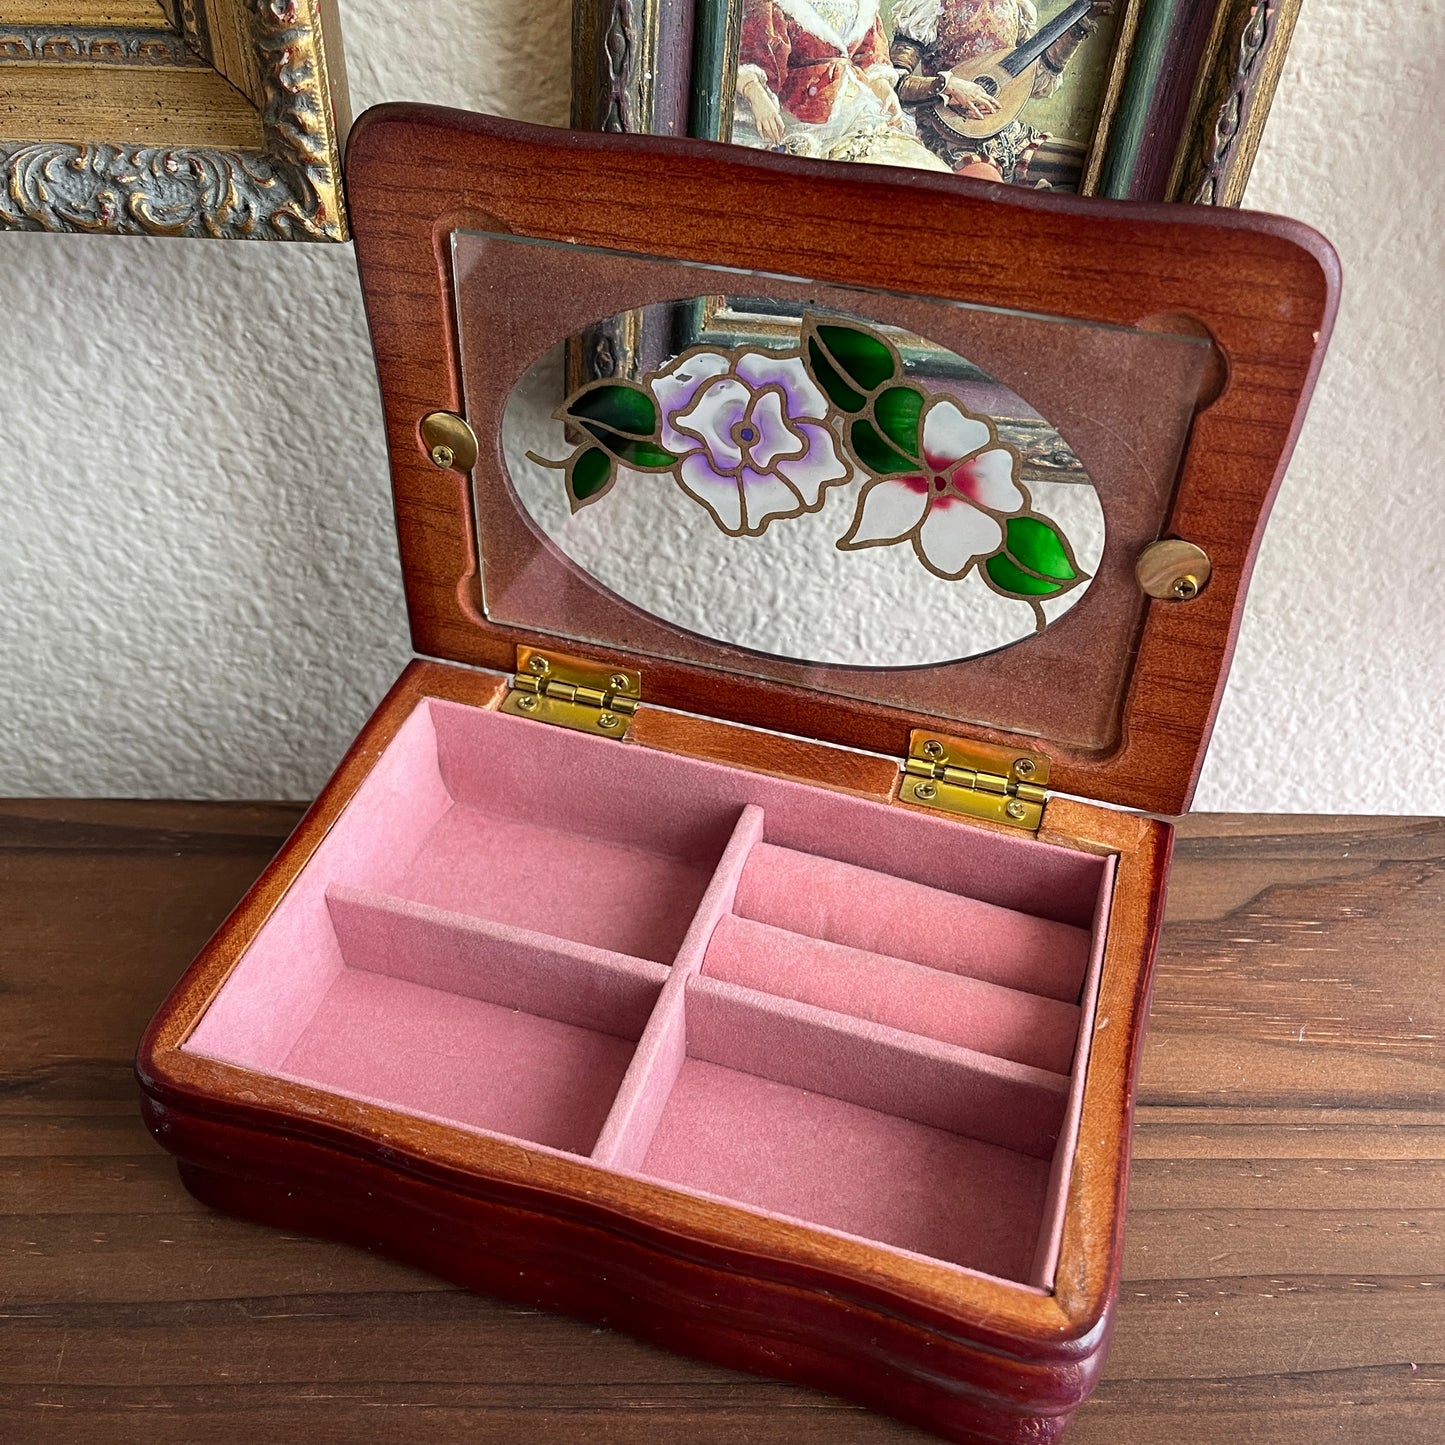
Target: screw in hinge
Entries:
(607, 720)
(926, 791)
(933, 749)
(618, 681)
(443, 456)
(538, 664)
(1024, 767)
(527, 702)
(1014, 808)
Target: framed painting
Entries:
(1160, 100)
(221, 118)
(1138, 99)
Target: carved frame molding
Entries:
(615, 60)
(281, 58)
(1232, 99)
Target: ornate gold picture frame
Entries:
(219, 118)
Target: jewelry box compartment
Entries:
(830, 1009)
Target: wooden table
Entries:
(1285, 1271)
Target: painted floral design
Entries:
(952, 509)
(754, 436)
(751, 436)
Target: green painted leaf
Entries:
(635, 451)
(1036, 545)
(843, 396)
(897, 412)
(1009, 578)
(590, 473)
(878, 455)
(619, 407)
(861, 355)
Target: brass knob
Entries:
(449, 441)
(1173, 570)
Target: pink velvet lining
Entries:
(643, 1095)
(860, 1016)
(866, 909)
(1046, 1258)
(512, 967)
(827, 1161)
(947, 1006)
(592, 890)
(466, 1059)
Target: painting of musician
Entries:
(815, 78)
(976, 87)
(938, 46)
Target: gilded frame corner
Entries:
(200, 118)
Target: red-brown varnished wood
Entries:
(971, 1358)
(1264, 288)
(760, 752)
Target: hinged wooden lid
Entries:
(1092, 310)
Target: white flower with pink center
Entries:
(751, 435)
(951, 511)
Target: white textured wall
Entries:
(198, 584)
(199, 590)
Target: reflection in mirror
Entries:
(807, 484)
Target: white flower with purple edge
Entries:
(948, 510)
(751, 434)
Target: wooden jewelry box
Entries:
(700, 943)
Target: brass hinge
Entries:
(570, 693)
(978, 780)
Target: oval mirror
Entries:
(812, 486)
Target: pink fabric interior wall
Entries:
(575, 784)
(883, 1135)
(608, 950)
(1046, 1258)
(278, 984)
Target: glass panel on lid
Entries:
(830, 486)
(808, 466)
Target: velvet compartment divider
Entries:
(661, 967)
(890, 1099)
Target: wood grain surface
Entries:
(1285, 1267)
